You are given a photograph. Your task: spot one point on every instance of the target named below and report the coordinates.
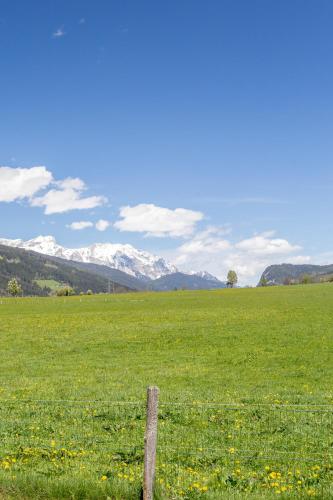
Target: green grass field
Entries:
(74, 372)
(51, 284)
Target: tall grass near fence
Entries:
(72, 447)
(76, 449)
(258, 449)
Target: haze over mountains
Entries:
(115, 265)
(122, 264)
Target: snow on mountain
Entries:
(204, 275)
(126, 258)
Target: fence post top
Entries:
(153, 388)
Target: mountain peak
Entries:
(204, 275)
(125, 258)
(41, 239)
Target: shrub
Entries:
(306, 279)
(65, 291)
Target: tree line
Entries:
(14, 287)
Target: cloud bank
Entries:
(211, 251)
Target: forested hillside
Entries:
(39, 275)
(286, 274)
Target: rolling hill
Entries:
(168, 282)
(108, 273)
(40, 275)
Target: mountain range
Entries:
(122, 264)
(126, 258)
(41, 275)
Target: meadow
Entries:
(245, 378)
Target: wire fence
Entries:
(204, 449)
(246, 448)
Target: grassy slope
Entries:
(253, 345)
(51, 284)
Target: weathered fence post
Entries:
(150, 443)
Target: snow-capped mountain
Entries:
(126, 258)
(204, 275)
(143, 265)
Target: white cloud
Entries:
(67, 197)
(158, 221)
(78, 226)
(102, 225)
(26, 183)
(209, 241)
(19, 183)
(71, 183)
(210, 251)
(59, 32)
(263, 244)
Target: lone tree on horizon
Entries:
(13, 287)
(232, 278)
(263, 281)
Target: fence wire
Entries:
(222, 449)
(211, 450)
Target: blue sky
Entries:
(220, 108)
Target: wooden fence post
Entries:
(150, 443)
